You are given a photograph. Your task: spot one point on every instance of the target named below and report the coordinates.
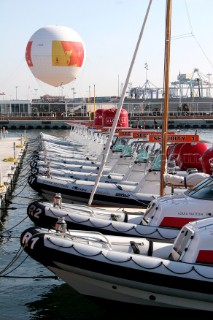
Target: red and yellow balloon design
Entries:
(55, 55)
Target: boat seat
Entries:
(142, 157)
(117, 217)
(127, 152)
(136, 249)
(119, 187)
(111, 177)
(191, 170)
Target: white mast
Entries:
(106, 151)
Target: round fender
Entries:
(33, 164)
(35, 157)
(35, 211)
(32, 241)
(34, 171)
(32, 179)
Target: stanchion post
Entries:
(14, 149)
(1, 182)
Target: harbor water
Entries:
(28, 290)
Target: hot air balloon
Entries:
(55, 55)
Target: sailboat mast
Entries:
(166, 93)
(114, 125)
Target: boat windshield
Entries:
(202, 190)
(181, 243)
(119, 145)
(156, 164)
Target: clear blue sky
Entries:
(110, 30)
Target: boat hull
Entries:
(98, 271)
(80, 193)
(114, 289)
(117, 222)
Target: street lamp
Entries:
(209, 77)
(62, 88)
(146, 67)
(35, 92)
(122, 85)
(89, 94)
(73, 93)
(94, 100)
(16, 92)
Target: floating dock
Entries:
(12, 151)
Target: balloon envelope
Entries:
(55, 55)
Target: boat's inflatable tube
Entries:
(187, 181)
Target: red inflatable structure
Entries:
(173, 151)
(109, 115)
(98, 120)
(190, 155)
(206, 159)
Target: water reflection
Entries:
(62, 302)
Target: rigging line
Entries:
(140, 201)
(185, 35)
(205, 55)
(188, 16)
(10, 265)
(23, 178)
(25, 277)
(23, 174)
(22, 277)
(11, 228)
(12, 261)
(20, 204)
(30, 277)
(193, 35)
(20, 183)
(19, 192)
